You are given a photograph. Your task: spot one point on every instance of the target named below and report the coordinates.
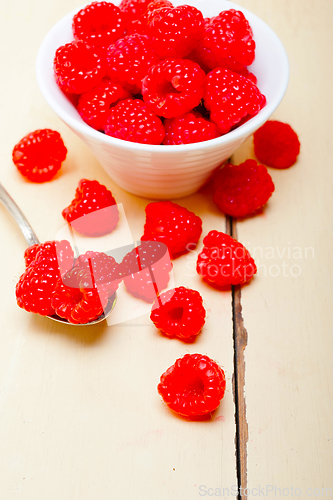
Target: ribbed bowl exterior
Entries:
(163, 172)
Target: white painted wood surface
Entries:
(287, 310)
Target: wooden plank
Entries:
(80, 416)
(286, 309)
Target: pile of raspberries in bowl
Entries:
(162, 94)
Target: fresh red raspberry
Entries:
(133, 9)
(145, 270)
(38, 156)
(250, 76)
(175, 31)
(193, 386)
(231, 97)
(36, 285)
(94, 106)
(100, 271)
(61, 249)
(153, 7)
(140, 25)
(93, 212)
(276, 144)
(132, 120)
(174, 87)
(240, 190)
(224, 261)
(129, 60)
(78, 304)
(179, 313)
(227, 41)
(99, 24)
(78, 67)
(189, 128)
(175, 226)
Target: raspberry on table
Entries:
(179, 313)
(175, 31)
(224, 261)
(240, 190)
(194, 386)
(132, 120)
(36, 285)
(231, 97)
(78, 304)
(99, 24)
(145, 270)
(129, 60)
(276, 144)
(189, 128)
(39, 155)
(174, 87)
(93, 211)
(94, 106)
(171, 224)
(100, 270)
(227, 42)
(78, 67)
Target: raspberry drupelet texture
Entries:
(133, 9)
(175, 226)
(240, 190)
(224, 261)
(99, 24)
(231, 97)
(132, 120)
(175, 31)
(189, 128)
(78, 67)
(78, 303)
(227, 42)
(276, 144)
(61, 249)
(46, 264)
(93, 211)
(38, 156)
(179, 313)
(141, 24)
(193, 386)
(94, 106)
(145, 270)
(99, 270)
(174, 87)
(129, 60)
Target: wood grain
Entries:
(287, 308)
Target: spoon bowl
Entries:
(32, 239)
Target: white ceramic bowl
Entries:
(165, 172)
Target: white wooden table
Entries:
(80, 417)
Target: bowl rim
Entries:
(82, 128)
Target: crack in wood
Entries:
(238, 380)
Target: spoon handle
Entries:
(12, 208)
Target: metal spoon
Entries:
(32, 239)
